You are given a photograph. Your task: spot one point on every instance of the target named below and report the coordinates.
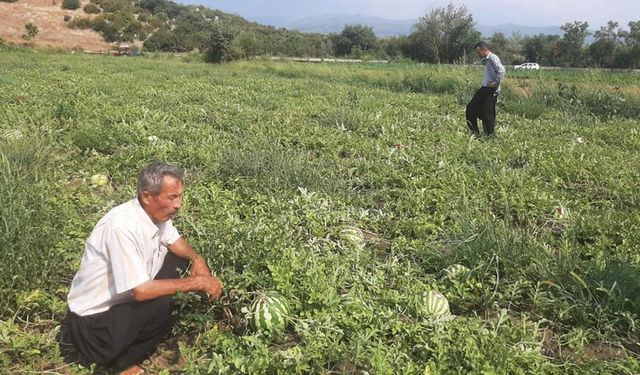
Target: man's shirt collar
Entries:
(148, 226)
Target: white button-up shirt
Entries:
(494, 71)
(125, 250)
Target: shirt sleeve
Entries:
(127, 263)
(498, 68)
(169, 234)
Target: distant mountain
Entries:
(335, 23)
(385, 27)
(512, 28)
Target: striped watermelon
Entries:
(98, 180)
(269, 312)
(456, 271)
(12, 134)
(353, 236)
(435, 305)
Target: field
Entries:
(280, 157)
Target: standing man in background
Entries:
(120, 300)
(483, 103)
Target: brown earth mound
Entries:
(48, 16)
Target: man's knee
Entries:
(470, 111)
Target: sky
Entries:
(485, 12)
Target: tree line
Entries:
(443, 35)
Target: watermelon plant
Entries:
(355, 192)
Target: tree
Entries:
(509, 49)
(543, 49)
(192, 31)
(70, 4)
(162, 39)
(630, 57)
(250, 43)
(220, 46)
(359, 37)
(632, 37)
(443, 35)
(395, 47)
(499, 43)
(31, 31)
(604, 49)
(572, 42)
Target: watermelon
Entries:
(435, 305)
(12, 134)
(456, 271)
(269, 312)
(99, 180)
(353, 236)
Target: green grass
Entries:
(280, 156)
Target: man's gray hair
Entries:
(151, 177)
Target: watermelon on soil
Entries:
(456, 271)
(352, 235)
(435, 305)
(99, 180)
(269, 312)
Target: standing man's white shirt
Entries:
(125, 250)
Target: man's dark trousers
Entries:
(124, 335)
(482, 106)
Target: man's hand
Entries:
(153, 289)
(211, 285)
(199, 266)
(183, 250)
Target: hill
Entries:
(48, 16)
(159, 25)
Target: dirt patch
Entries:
(523, 91)
(48, 16)
(552, 348)
(628, 90)
(166, 357)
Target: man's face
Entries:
(164, 205)
(482, 52)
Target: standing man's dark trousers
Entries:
(125, 334)
(482, 106)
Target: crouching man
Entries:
(120, 299)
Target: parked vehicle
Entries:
(528, 66)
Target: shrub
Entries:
(91, 9)
(30, 32)
(113, 6)
(70, 4)
(81, 23)
(67, 18)
(220, 46)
